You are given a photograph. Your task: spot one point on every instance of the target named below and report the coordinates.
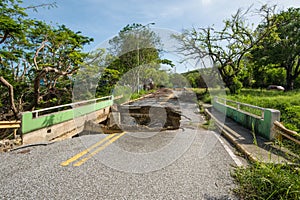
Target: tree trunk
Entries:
(11, 95)
(289, 81)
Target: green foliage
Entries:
(247, 56)
(109, 78)
(268, 181)
(140, 94)
(11, 20)
(178, 80)
(236, 86)
(292, 118)
(195, 79)
(281, 47)
(135, 58)
(268, 75)
(135, 45)
(37, 59)
(202, 95)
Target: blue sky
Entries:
(102, 19)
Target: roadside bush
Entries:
(140, 94)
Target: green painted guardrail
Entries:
(34, 120)
(262, 125)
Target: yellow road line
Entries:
(79, 155)
(98, 150)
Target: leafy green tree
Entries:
(87, 78)
(195, 79)
(135, 45)
(36, 60)
(154, 73)
(11, 21)
(11, 28)
(135, 49)
(281, 49)
(265, 75)
(178, 80)
(57, 56)
(108, 79)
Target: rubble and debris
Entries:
(7, 145)
(156, 112)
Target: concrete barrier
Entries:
(37, 127)
(261, 125)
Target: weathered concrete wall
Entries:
(67, 128)
(29, 123)
(68, 122)
(261, 126)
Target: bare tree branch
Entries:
(44, 5)
(37, 53)
(4, 37)
(11, 95)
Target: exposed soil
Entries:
(156, 112)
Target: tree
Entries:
(12, 16)
(135, 49)
(57, 56)
(86, 80)
(195, 79)
(108, 79)
(282, 48)
(178, 80)
(159, 77)
(226, 48)
(11, 27)
(36, 60)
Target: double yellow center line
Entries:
(99, 147)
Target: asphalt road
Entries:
(189, 163)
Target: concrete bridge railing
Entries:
(46, 124)
(262, 122)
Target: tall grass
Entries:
(268, 181)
